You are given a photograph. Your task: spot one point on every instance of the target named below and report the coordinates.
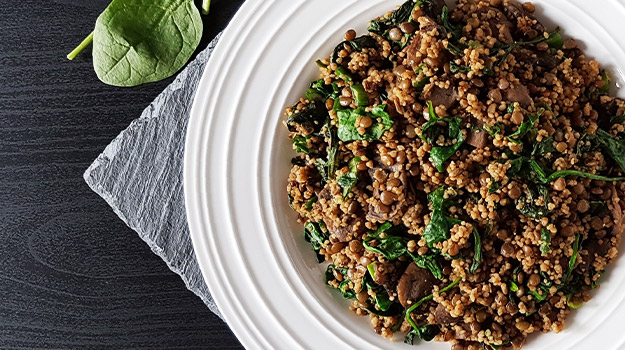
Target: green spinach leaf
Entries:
(137, 41)
(301, 144)
(545, 241)
(347, 120)
(543, 147)
(314, 235)
(343, 286)
(397, 17)
(428, 262)
(450, 131)
(525, 127)
(365, 41)
(425, 333)
(477, 251)
(440, 224)
(349, 179)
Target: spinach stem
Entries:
(428, 298)
(206, 4)
(86, 42)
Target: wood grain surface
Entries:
(72, 275)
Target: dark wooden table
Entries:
(72, 275)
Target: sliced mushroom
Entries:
(441, 316)
(477, 138)
(518, 93)
(343, 226)
(441, 96)
(414, 284)
(527, 26)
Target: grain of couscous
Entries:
(461, 171)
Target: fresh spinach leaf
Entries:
(347, 130)
(349, 179)
(545, 241)
(137, 42)
(477, 251)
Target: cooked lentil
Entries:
(461, 171)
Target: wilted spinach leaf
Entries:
(314, 235)
(343, 286)
(312, 118)
(614, 147)
(573, 259)
(494, 187)
(301, 145)
(397, 17)
(365, 41)
(525, 127)
(137, 42)
(348, 180)
(529, 197)
(477, 251)
(543, 147)
(318, 90)
(449, 129)
(440, 224)
(545, 241)
(425, 333)
(428, 262)
(327, 168)
(347, 123)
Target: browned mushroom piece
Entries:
(441, 316)
(477, 138)
(497, 24)
(518, 93)
(440, 96)
(387, 274)
(434, 34)
(527, 26)
(343, 226)
(414, 284)
(534, 58)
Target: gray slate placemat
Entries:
(139, 174)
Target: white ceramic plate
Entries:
(260, 271)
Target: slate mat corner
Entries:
(139, 175)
